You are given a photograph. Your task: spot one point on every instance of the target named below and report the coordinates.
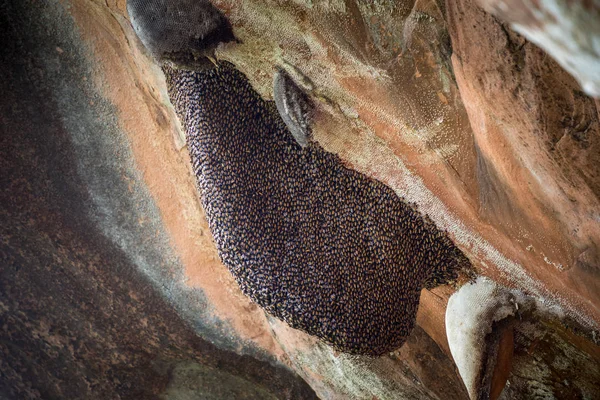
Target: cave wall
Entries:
(93, 301)
(111, 285)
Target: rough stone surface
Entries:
(405, 374)
(537, 137)
(81, 312)
(442, 102)
(568, 30)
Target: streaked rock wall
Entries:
(111, 285)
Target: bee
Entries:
(324, 248)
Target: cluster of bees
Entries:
(322, 247)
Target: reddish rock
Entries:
(445, 104)
(538, 142)
(569, 31)
(84, 313)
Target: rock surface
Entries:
(538, 156)
(106, 254)
(92, 299)
(568, 30)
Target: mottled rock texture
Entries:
(106, 253)
(537, 137)
(568, 30)
(81, 314)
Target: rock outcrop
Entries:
(567, 30)
(110, 284)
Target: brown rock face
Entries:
(110, 283)
(568, 30)
(81, 312)
(538, 144)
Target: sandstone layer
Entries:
(111, 286)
